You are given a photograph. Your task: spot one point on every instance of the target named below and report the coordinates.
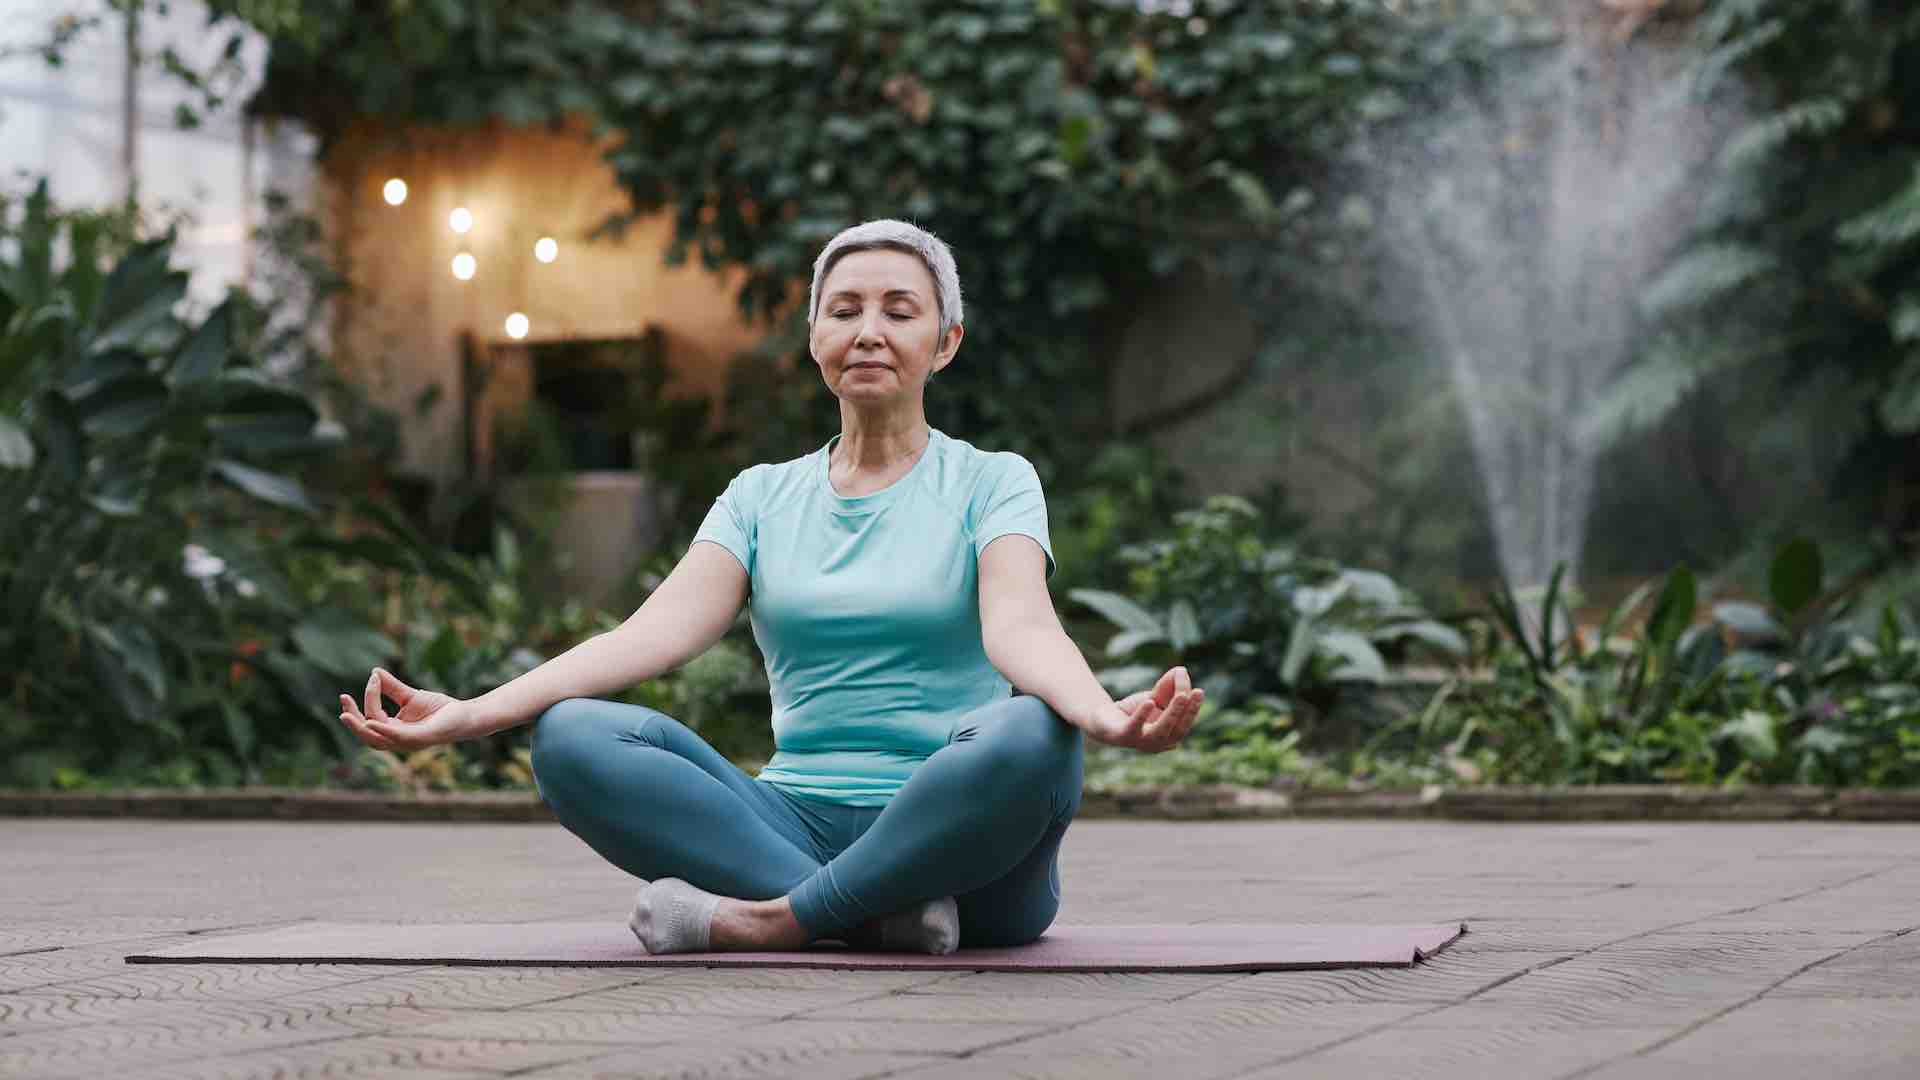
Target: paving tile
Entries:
(798, 1048)
(188, 1031)
(690, 997)
(213, 982)
(977, 1008)
(1220, 1062)
(575, 1026)
(1161, 986)
(1188, 1028)
(465, 987)
(1463, 1054)
(1454, 974)
(674, 1063)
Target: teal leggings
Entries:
(979, 820)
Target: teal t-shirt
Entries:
(867, 609)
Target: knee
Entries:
(1031, 744)
(563, 739)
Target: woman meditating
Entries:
(896, 583)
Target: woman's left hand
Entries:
(1153, 720)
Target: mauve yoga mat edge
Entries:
(1361, 943)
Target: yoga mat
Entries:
(1062, 948)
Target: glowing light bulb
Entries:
(517, 326)
(546, 249)
(460, 220)
(395, 192)
(464, 265)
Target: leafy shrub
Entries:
(150, 523)
(1256, 623)
(1796, 691)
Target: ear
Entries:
(949, 347)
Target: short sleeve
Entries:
(1012, 502)
(730, 523)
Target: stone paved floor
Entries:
(1603, 951)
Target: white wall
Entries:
(68, 123)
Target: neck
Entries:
(878, 443)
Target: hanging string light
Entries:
(395, 192)
(546, 249)
(517, 326)
(460, 220)
(464, 265)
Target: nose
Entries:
(869, 336)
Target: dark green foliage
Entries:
(1255, 621)
(149, 516)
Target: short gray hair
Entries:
(892, 235)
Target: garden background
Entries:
(1558, 419)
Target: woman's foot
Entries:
(932, 927)
(671, 916)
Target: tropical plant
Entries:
(1256, 622)
(146, 514)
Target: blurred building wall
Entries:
(400, 328)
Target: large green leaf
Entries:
(265, 486)
(267, 436)
(123, 408)
(1674, 610)
(239, 728)
(205, 353)
(1126, 641)
(100, 368)
(1794, 577)
(61, 440)
(1438, 635)
(1362, 662)
(16, 446)
(129, 650)
(340, 644)
(139, 295)
(1183, 626)
(1119, 610)
(1754, 733)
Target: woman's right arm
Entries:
(690, 611)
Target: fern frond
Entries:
(1650, 389)
(1702, 275)
(1729, 16)
(1814, 116)
(1893, 224)
(1715, 65)
(1900, 405)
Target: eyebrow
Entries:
(842, 294)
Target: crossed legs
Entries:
(980, 820)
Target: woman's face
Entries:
(877, 333)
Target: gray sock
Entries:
(671, 916)
(932, 927)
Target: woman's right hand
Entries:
(426, 717)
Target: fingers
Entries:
(1164, 689)
(391, 686)
(1164, 731)
(375, 710)
(358, 724)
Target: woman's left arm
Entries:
(1025, 642)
